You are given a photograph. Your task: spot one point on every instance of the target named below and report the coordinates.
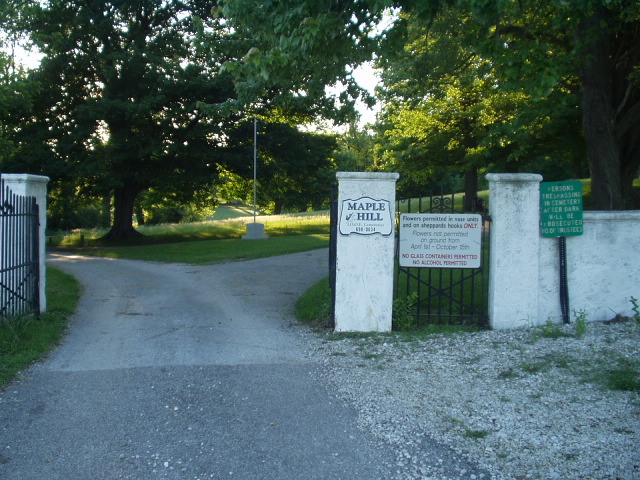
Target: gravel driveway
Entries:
(189, 372)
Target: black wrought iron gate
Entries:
(445, 295)
(19, 254)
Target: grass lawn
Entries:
(26, 339)
(212, 251)
(211, 241)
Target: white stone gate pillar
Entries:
(365, 247)
(34, 186)
(514, 205)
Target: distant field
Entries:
(229, 222)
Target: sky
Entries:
(366, 77)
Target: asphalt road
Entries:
(184, 372)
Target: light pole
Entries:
(255, 166)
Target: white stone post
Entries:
(34, 186)
(365, 251)
(515, 249)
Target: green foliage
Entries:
(550, 330)
(636, 308)
(456, 119)
(626, 377)
(476, 434)
(288, 51)
(581, 323)
(525, 79)
(314, 307)
(67, 212)
(155, 207)
(355, 151)
(295, 169)
(16, 91)
(404, 313)
(554, 330)
(117, 108)
(547, 363)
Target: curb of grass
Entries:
(25, 340)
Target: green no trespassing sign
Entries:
(561, 209)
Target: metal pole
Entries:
(255, 165)
(564, 287)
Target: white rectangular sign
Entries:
(365, 216)
(440, 240)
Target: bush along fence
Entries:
(22, 254)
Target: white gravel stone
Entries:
(520, 405)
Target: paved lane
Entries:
(184, 372)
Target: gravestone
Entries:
(255, 231)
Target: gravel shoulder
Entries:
(521, 405)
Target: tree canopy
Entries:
(155, 95)
(447, 110)
(551, 51)
(117, 105)
(136, 95)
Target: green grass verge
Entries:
(313, 308)
(212, 251)
(229, 210)
(26, 339)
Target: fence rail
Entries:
(19, 254)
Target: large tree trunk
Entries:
(610, 110)
(124, 199)
(278, 205)
(471, 190)
(603, 151)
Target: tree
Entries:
(298, 169)
(118, 106)
(540, 44)
(15, 92)
(356, 150)
(435, 127)
(297, 48)
(457, 118)
(533, 45)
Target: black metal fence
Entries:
(19, 254)
(451, 296)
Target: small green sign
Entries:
(561, 209)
